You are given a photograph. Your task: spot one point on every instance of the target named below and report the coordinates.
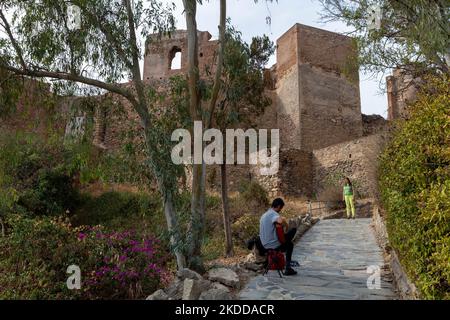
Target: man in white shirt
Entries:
(269, 237)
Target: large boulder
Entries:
(158, 295)
(216, 285)
(193, 288)
(225, 276)
(217, 292)
(175, 290)
(188, 274)
(253, 266)
(190, 289)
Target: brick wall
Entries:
(374, 124)
(296, 173)
(37, 111)
(294, 178)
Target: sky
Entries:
(250, 19)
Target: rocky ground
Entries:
(223, 281)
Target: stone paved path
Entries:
(333, 256)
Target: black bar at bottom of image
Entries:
(178, 310)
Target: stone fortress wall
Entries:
(161, 52)
(402, 87)
(315, 104)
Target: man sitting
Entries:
(269, 237)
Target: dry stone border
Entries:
(190, 285)
(404, 286)
(225, 276)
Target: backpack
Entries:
(276, 260)
(256, 242)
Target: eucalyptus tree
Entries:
(237, 81)
(39, 40)
(241, 99)
(196, 229)
(396, 33)
(200, 112)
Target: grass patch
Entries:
(120, 211)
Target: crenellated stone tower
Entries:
(318, 98)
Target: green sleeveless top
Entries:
(348, 190)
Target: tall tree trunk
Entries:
(226, 212)
(196, 228)
(198, 216)
(3, 227)
(209, 121)
(167, 189)
(219, 65)
(172, 225)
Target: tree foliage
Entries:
(37, 42)
(40, 37)
(413, 32)
(415, 187)
(242, 95)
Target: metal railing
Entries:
(322, 205)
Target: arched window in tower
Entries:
(175, 59)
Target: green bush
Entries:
(213, 246)
(246, 227)
(35, 255)
(253, 192)
(415, 189)
(52, 193)
(121, 210)
(36, 173)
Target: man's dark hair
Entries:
(278, 202)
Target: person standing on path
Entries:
(348, 198)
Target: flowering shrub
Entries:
(128, 265)
(35, 254)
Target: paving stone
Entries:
(334, 256)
